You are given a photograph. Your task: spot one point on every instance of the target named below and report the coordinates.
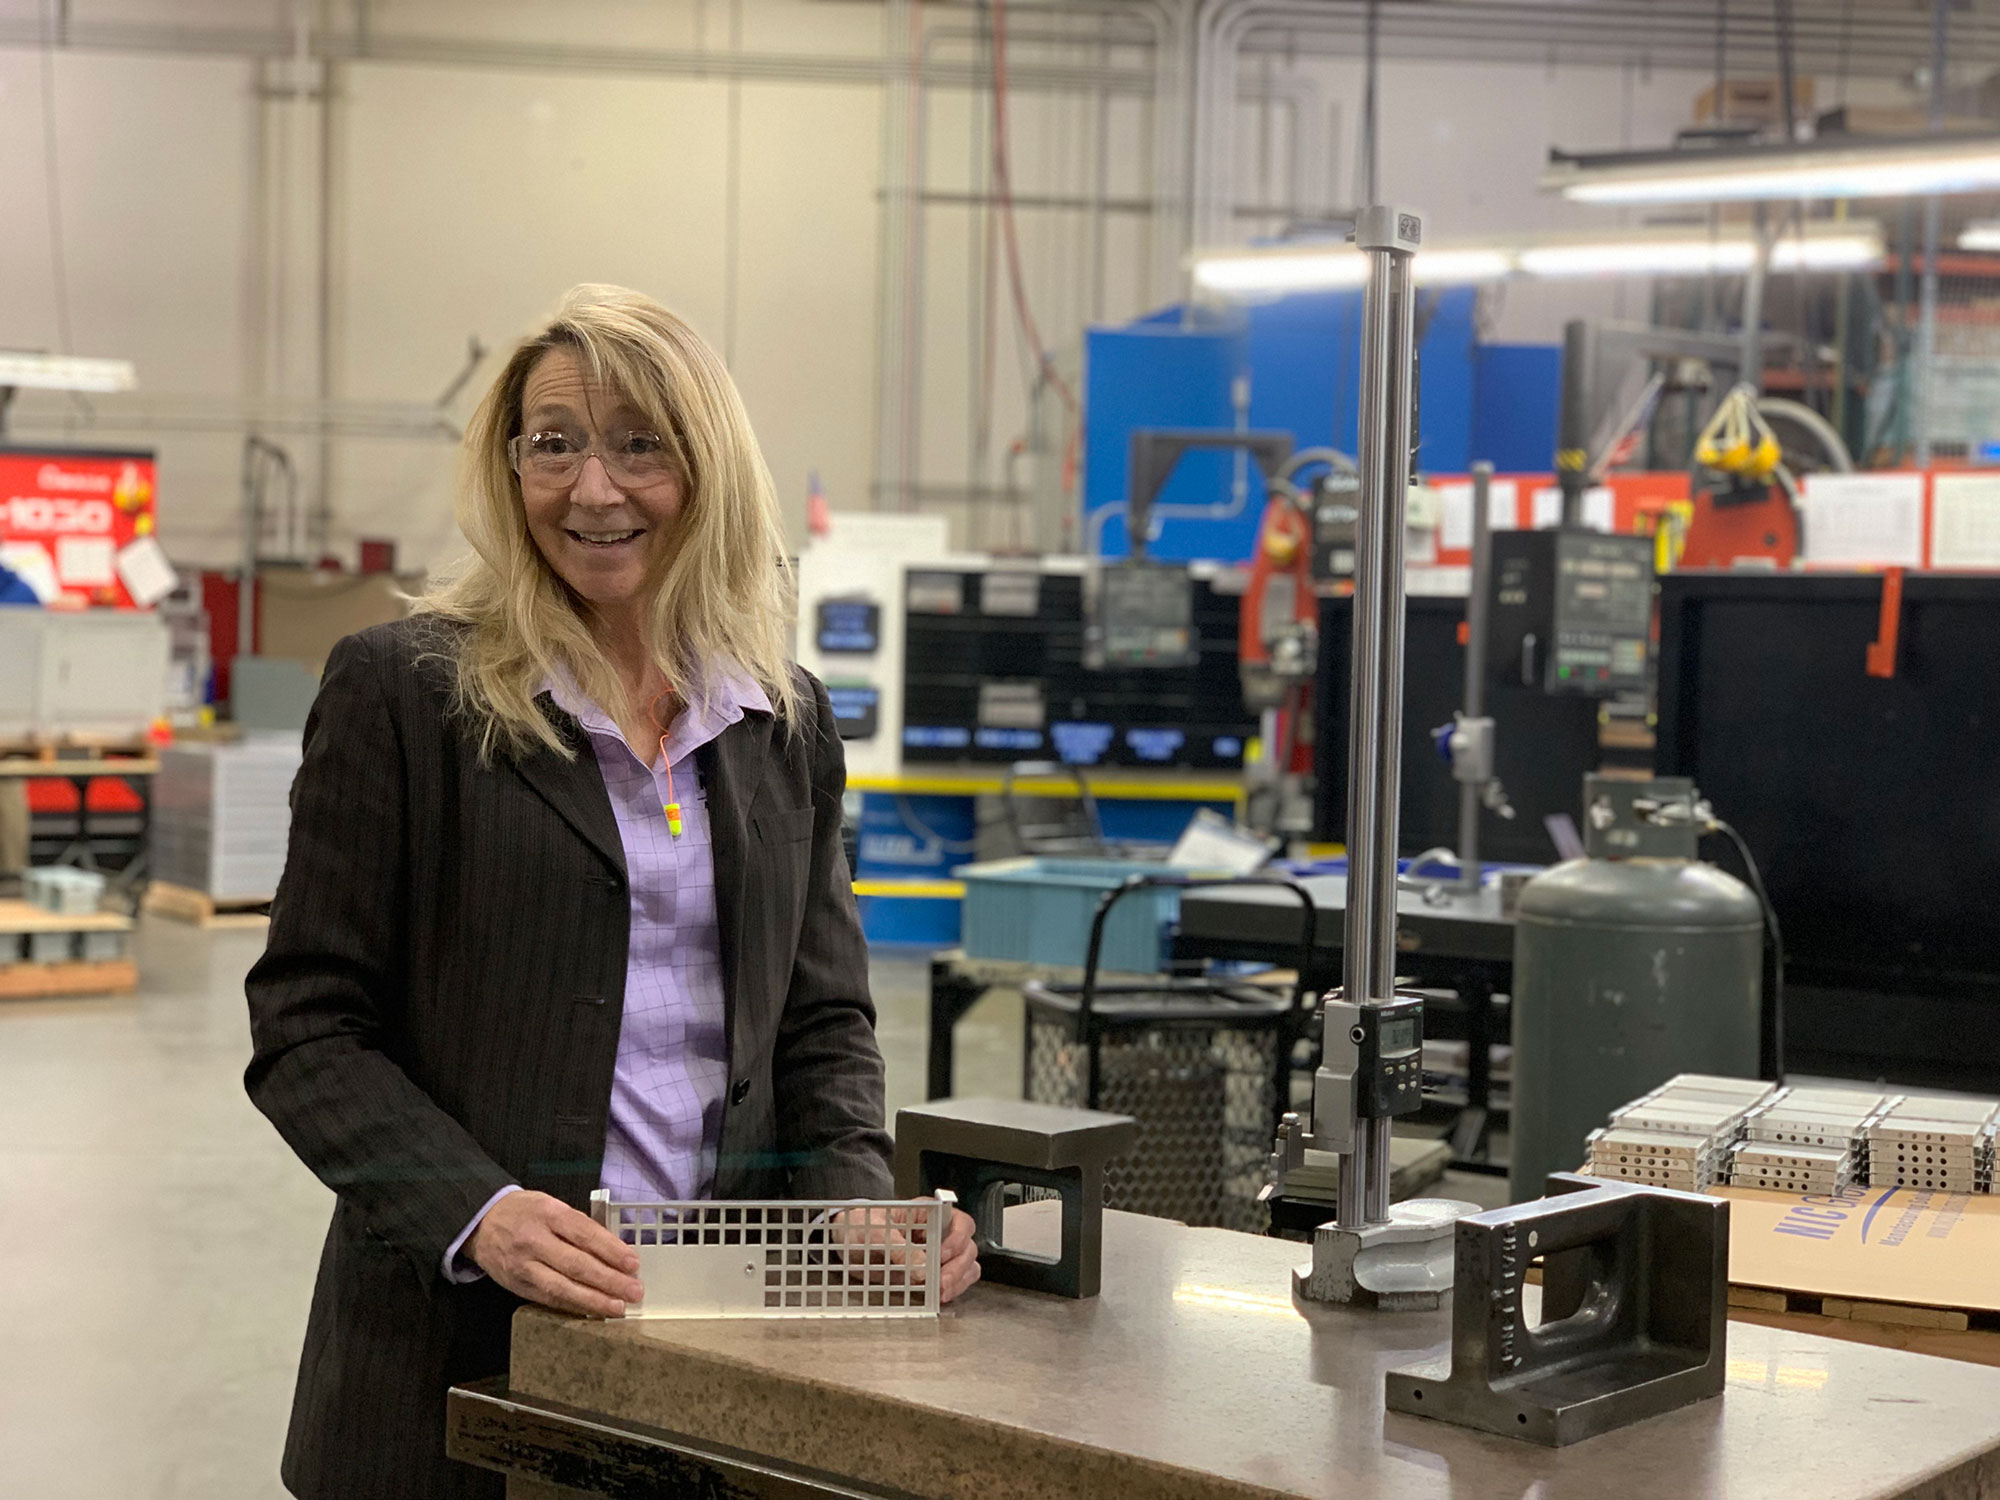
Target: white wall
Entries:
(476, 198)
(155, 216)
(466, 201)
(467, 198)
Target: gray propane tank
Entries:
(1630, 965)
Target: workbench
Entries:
(1445, 939)
(1194, 1376)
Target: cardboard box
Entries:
(1901, 1245)
(1895, 1267)
(14, 829)
(303, 613)
(1754, 101)
(1878, 120)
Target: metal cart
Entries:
(1203, 1064)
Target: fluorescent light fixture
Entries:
(1850, 251)
(1285, 268)
(1902, 168)
(1673, 257)
(1832, 247)
(1984, 234)
(1447, 266)
(63, 372)
(1320, 268)
(1673, 251)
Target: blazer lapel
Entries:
(575, 787)
(732, 768)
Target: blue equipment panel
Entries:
(1302, 357)
(1516, 390)
(1158, 374)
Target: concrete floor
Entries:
(158, 1241)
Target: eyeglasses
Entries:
(555, 457)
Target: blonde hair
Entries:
(723, 599)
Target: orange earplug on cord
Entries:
(672, 806)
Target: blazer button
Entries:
(741, 1092)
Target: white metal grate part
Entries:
(783, 1258)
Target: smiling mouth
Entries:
(604, 538)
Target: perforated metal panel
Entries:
(789, 1259)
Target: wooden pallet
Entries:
(25, 981)
(1949, 1332)
(24, 916)
(80, 746)
(184, 904)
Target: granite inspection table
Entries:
(1195, 1376)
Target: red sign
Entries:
(67, 515)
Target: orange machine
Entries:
(1755, 521)
(1277, 633)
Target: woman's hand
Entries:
(540, 1248)
(891, 1239)
(959, 1267)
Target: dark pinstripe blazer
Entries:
(437, 1015)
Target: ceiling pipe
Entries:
(1664, 33)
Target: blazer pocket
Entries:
(788, 825)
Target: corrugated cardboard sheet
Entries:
(1880, 1244)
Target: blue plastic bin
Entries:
(1040, 910)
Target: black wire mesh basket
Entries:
(1203, 1064)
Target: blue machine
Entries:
(1299, 361)
(1515, 390)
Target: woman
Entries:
(564, 904)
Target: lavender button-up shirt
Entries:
(672, 1069)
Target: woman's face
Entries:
(605, 528)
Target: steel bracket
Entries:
(976, 1148)
(1635, 1285)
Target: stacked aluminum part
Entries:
(1945, 1145)
(1808, 1140)
(1749, 1092)
(66, 892)
(1678, 1136)
(1656, 1158)
(222, 815)
(1790, 1169)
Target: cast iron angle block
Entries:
(1635, 1284)
(977, 1148)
